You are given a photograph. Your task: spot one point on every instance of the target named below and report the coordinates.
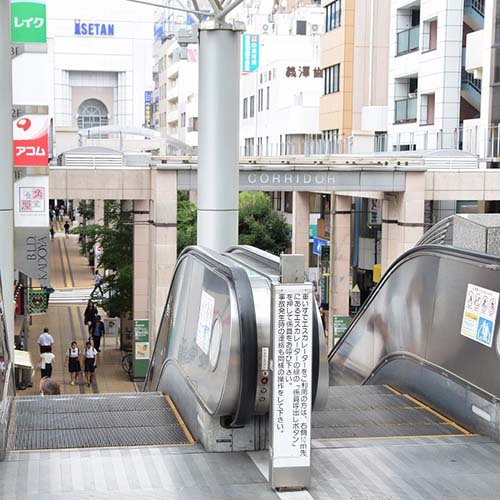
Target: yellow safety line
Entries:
(437, 414)
(179, 419)
(397, 437)
(392, 389)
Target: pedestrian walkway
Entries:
(72, 279)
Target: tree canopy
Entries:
(259, 225)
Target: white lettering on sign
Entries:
(480, 312)
(277, 179)
(205, 319)
(292, 351)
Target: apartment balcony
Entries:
(405, 110)
(474, 14)
(173, 70)
(173, 93)
(173, 117)
(471, 89)
(474, 54)
(408, 41)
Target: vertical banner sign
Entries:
(31, 141)
(250, 52)
(147, 108)
(480, 312)
(28, 21)
(141, 347)
(31, 201)
(291, 367)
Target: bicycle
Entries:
(127, 363)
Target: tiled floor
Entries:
(65, 322)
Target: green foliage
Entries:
(259, 225)
(86, 209)
(186, 224)
(117, 241)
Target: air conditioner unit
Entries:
(314, 27)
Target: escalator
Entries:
(408, 336)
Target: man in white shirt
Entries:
(45, 340)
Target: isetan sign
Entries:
(94, 29)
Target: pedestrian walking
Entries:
(90, 362)
(45, 341)
(49, 387)
(97, 283)
(52, 231)
(89, 316)
(57, 213)
(98, 333)
(51, 215)
(46, 359)
(66, 228)
(73, 362)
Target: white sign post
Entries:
(291, 366)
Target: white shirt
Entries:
(45, 339)
(47, 358)
(74, 353)
(90, 353)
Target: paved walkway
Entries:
(71, 274)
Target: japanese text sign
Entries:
(250, 52)
(28, 21)
(31, 201)
(291, 375)
(31, 141)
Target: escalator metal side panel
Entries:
(418, 309)
(216, 356)
(268, 266)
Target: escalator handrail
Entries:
(247, 327)
(479, 258)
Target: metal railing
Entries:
(477, 5)
(408, 40)
(468, 78)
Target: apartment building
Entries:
(430, 93)
(354, 60)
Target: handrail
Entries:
(247, 328)
(436, 235)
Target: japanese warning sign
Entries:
(205, 320)
(31, 141)
(480, 311)
(292, 351)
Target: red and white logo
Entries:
(31, 141)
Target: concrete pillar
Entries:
(99, 212)
(340, 260)
(141, 260)
(403, 218)
(163, 241)
(300, 225)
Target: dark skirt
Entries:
(89, 365)
(74, 365)
(47, 371)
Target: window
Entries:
(331, 76)
(429, 38)
(407, 39)
(249, 145)
(301, 28)
(260, 100)
(267, 100)
(332, 15)
(92, 113)
(427, 105)
(259, 146)
(183, 119)
(193, 124)
(252, 106)
(245, 108)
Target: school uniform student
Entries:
(90, 355)
(46, 359)
(73, 356)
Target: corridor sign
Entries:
(141, 347)
(28, 21)
(480, 312)
(250, 52)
